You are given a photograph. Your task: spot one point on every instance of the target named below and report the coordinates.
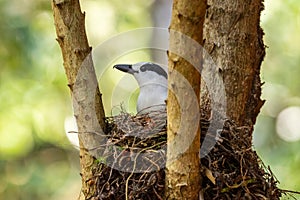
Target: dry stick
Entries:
(134, 166)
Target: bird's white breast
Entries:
(152, 97)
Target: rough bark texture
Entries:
(87, 103)
(183, 165)
(233, 38)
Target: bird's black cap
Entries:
(155, 68)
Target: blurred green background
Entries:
(36, 159)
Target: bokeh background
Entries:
(37, 160)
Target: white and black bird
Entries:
(153, 84)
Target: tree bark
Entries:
(87, 104)
(233, 38)
(183, 163)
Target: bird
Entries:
(153, 84)
(152, 80)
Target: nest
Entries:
(133, 164)
(233, 170)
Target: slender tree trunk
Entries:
(183, 164)
(87, 104)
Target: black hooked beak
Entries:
(125, 68)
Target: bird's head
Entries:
(145, 73)
(153, 84)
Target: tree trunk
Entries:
(183, 164)
(87, 103)
(233, 38)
